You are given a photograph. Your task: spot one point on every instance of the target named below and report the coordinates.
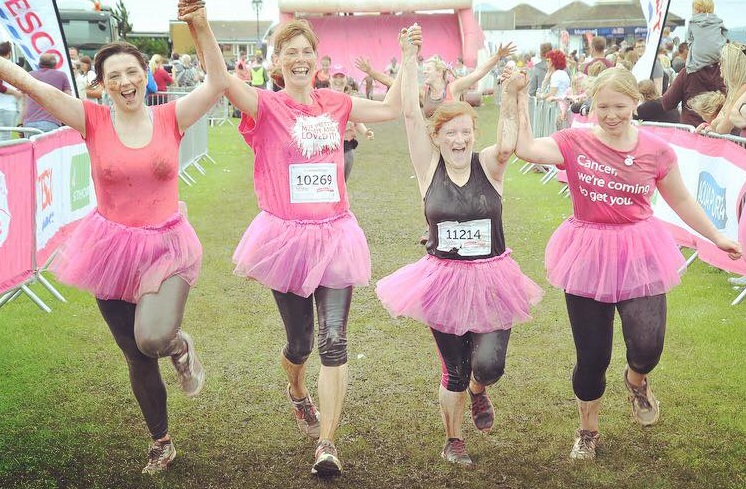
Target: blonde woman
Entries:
(733, 70)
(611, 255)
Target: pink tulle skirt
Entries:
(299, 256)
(613, 262)
(115, 261)
(460, 296)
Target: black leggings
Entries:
(592, 322)
(480, 354)
(146, 332)
(333, 309)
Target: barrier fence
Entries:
(712, 166)
(45, 189)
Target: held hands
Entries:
(191, 10)
(516, 82)
(733, 248)
(410, 40)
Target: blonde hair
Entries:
(448, 111)
(620, 80)
(648, 90)
(703, 6)
(155, 60)
(707, 105)
(596, 67)
(294, 28)
(186, 60)
(438, 64)
(733, 67)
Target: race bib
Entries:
(313, 183)
(470, 238)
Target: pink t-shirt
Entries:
(288, 138)
(135, 187)
(610, 186)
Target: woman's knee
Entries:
(489, 371)
(158, 344)
(333, 347)
(643, 362)
(298, 351)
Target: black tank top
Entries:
(465, 223)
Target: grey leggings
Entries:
(333, 309)
(145, 332)
(592, 322)
(479, 354)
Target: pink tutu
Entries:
(114, 261)
(613, 262)
(299, 256)
(461, 296)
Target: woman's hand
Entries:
(733, 248)
(191, 10)
(410, 40)
(363, 64)
(503, 51)
(516, 83)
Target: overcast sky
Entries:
(153, 15)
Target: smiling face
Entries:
(614, 111)
(125, 81)
(298, 61)
(338, 82)
(455, 139)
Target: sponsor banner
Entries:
(654, 12)
(714, 172)
(33, 26)
(64, 188)
(16, 214)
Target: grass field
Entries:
(69, 420)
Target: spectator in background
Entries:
(598, 48)
(322, 75)
(392, 68)
(72, 52)
(539, 71)
(679, 61)
(188, 76)
(33, 114)
(651, 109)
(688, 85)
(175, 66)
(9, 98)
(707, 105)
(658, 74)
(706, 36)
(733, 69)
(738, 113)
(459, 68)
(162, 79)
(85, 80)
(259, 75)
(242, 68)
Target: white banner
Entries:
(33, 27)
(655, 14)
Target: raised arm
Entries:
(421, 149)
(364, 110)
(193, 106)
(64, 107)
(682, 202)
(495, 158)
(363, 64)
(543, 150)
(459, 86)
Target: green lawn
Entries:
(68, 418)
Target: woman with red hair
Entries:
(557, 81)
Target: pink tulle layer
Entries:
(114, 261)
(613, 262)
(459, 296)
(300, 256)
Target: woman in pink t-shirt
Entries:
(611, 254)
(305, 244)
(136, 252)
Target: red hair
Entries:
(558, 59)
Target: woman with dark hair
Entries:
(137, 253)
(305, 244)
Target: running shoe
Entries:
(160, 456)
(482, 411)
(645, 407)
(585, 445)
(306, 415)
(738, 281)
(327, 460)
(189, 368)
(455, 452)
